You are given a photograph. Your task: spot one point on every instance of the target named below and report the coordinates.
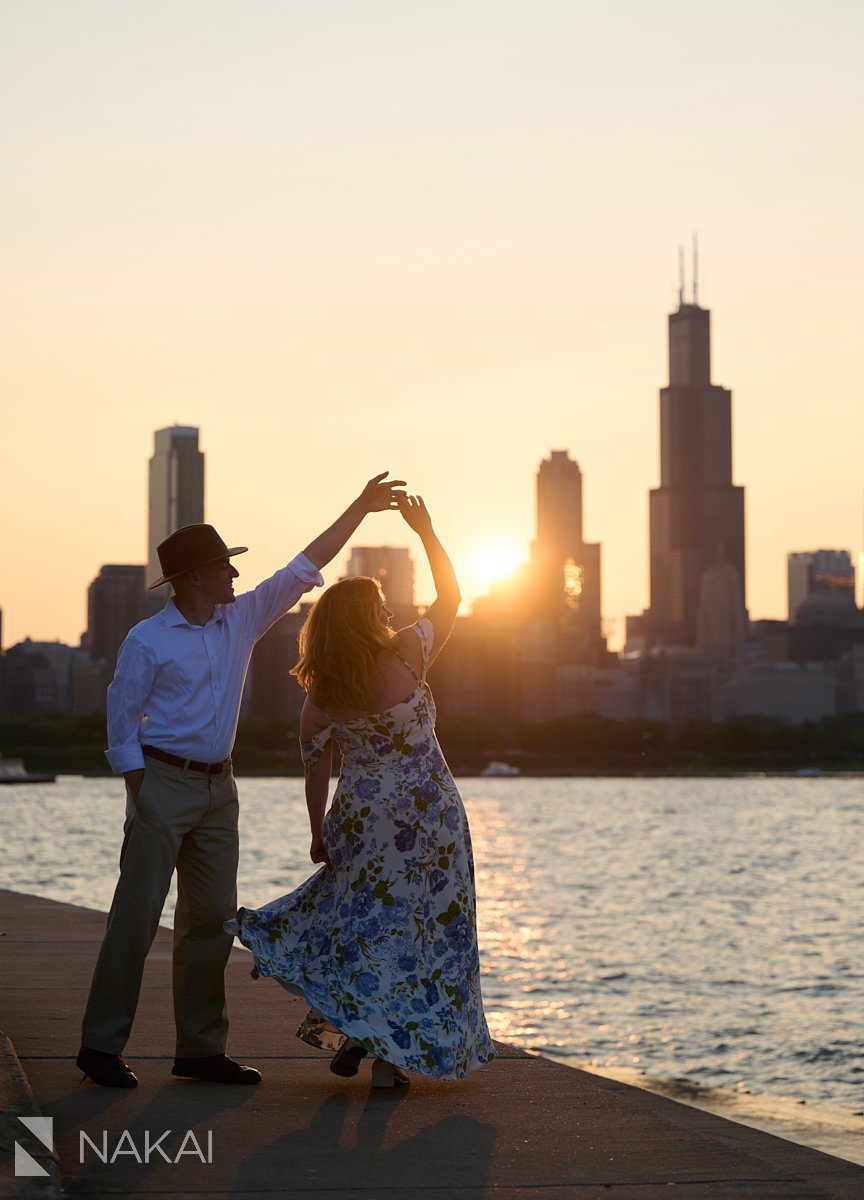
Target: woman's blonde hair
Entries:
(340, 642)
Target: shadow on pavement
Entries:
(335, 1151)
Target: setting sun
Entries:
(493, 560)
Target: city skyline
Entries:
(689, 352)
(446, 241)
(561, 572)
(534, 646)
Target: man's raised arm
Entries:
(375, 497)
(265, 604)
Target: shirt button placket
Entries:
(214, 729)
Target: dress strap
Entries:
(425, 632)
(407, 664)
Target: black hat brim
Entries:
(194, 566)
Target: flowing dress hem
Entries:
(394, 1055)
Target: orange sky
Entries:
(437, 240)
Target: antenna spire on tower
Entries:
(695, 269)
(680, 276)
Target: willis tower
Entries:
(697, 513)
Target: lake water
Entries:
(701, 937)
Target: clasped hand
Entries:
(378, 495)
(415, 512)
(318, 851)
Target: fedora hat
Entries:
(190, 547)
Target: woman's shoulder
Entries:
(313, 719)
(411, 641)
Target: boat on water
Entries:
(12, 770)
(499, 770)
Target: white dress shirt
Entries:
(178, 686)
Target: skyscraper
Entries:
(697, 513)
(116, 600)
(176, 496)
(565, 567)
(272, 692)
(393, 567)
(548, 610)
(859, 590)
(722, 627)
(821, 575)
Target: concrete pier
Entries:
(521, 1129)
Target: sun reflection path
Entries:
(526, 964)
(563, 960)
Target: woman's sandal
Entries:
(347, 1059)
(385, 1075)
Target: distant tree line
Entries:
(589, 743)
(566, 745)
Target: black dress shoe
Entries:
(215, 1068)
(109, 1070)
(346, 1061)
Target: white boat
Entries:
(12, 770)
(500, 770)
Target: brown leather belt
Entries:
(186, 763)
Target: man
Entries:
(173, 708)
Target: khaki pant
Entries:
(188, 820)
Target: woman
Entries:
(382, 940)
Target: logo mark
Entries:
(43, 1129)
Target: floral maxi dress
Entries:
(383, 943)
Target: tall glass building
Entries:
(176, 493)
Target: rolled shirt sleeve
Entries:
(127, 694)
(270, 600)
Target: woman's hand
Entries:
(318, 851)
(415, 513)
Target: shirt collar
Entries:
(173, 616)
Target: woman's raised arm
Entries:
(442, 613)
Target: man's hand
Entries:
(377, 495)
(134, 779)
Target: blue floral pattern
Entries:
(383, 943)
